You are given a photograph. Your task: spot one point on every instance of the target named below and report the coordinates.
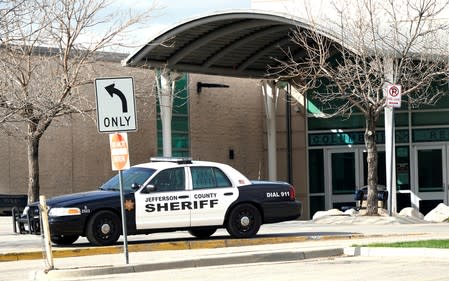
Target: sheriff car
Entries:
(166, 195)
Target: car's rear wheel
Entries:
(244, 221)
(103, 228)
(203, 232)
(64, 239)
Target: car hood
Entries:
(82, 197)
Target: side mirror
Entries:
(135, 186)
(149, 188)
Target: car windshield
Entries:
(136, 176)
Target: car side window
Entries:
(169, 180)
(208, 177)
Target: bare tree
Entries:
(47, 48)
(372, 44)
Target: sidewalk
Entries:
(288, 241)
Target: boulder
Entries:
(411, 213)
(439, 214)
(331, 212)
(351, 212)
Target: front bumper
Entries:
(29, 222)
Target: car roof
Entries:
(170, 164)
(235, 176)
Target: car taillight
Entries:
(292, 193)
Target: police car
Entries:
(167, 195)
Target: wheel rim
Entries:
(245, 220)
(105, 228)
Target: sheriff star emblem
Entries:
(129, 205)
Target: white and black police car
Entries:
(166, 195)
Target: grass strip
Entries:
(440, 244)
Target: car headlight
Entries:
(60, 212)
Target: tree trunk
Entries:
(370, 143)
(33, 165)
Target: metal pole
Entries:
(289, 134)
(125, 234)
(392, 164)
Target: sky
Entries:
(171, 12)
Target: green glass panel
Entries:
(430, 170)
(180, 140)
(402, 168)
(317, 203)
(180, 123)
(351, 138)
(431, 135)
(343, 173)
(355, 121)
(430, 118)
(316, 170)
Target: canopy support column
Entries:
(165, 94)
(270, 94)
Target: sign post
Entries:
(120, 161)
(393, 100)
(116, 113)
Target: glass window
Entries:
(208, 177)
(316, 171)
(136, 176)
(402, 168)
(343, 173)
(169, 180)
(317, 203)
(430, 170)
(430, 118)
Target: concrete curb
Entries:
(277, 256)
(176, 245)
(397, 252)
(183, 245)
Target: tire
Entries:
(64, 239)
(202, 233)
(244, 221)
(103, 228)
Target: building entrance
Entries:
(346, 172)
(430, 176)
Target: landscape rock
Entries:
(411, 213)
(351, 212)
(331, 212)
(439, 214)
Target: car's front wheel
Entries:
(244, 221)
(64, 239)
(103, 228)
(202, 233)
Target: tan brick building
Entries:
(224, 125)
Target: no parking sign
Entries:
(394, 95)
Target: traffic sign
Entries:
(394, 95)
(116, 106)
(119, 151)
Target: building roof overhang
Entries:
(238, 43)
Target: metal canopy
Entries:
(234, 43)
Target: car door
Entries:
(212, 194)
(164, 202)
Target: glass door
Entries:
(430, 176)
(343, 176)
